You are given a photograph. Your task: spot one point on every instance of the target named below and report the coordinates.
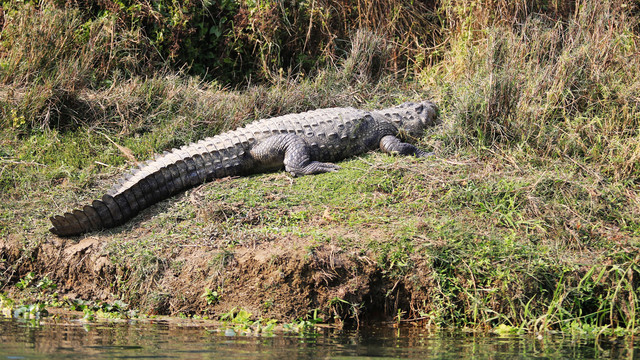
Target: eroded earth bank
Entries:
(436, 241)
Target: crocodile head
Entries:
(412, 118)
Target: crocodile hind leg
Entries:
(291, 151)
(392, 145)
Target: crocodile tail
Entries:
(115, 209)
(101, 214)
(156, 180)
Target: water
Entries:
(162, 340)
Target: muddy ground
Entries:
(280, 279)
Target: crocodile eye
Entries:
(419, 109)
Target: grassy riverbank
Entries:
(526, 218)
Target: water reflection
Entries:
(20, 340)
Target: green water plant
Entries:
(240, 322)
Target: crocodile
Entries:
(305, 143)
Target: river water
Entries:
(163, 340)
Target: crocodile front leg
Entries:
(291, 151)
(392, 145)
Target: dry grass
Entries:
(556, 88)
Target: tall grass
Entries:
(50, 55)
(562, 88)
